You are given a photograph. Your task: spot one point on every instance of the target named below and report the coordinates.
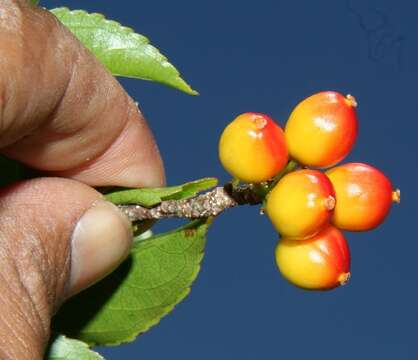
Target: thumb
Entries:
(57, 236)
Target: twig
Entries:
(211, 203)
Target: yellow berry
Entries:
(301, 204)
(319, 263)
(252, 148)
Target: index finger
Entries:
(62, 112)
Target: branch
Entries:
(211, 203)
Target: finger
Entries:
(63, 112)
(57, 236)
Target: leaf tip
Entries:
(194, 92)
(185, 87)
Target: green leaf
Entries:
(120, 49)
(150, 197)
(63, 348)
(157, 276)
(34, 2)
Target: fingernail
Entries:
(101, 241)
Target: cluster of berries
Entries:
(308, 207)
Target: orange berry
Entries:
(301, 203)
(364, 196)
(322, 129)
(319, 263)
(252, 148)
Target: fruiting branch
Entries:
(211, 203)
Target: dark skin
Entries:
(64, 114)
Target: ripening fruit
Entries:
(319, 263)
(364, 196)
(252, 148)
(322, 129)
(301, 203)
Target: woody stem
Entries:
(211, 203)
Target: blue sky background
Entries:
(266, 56)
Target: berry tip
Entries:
(396, 196)
(329, 202)
(343, 278)
(351, 100)
(260, 122)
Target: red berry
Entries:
(364, 196)
(322, 129)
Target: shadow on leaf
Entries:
(76, 313)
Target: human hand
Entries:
(64, 114)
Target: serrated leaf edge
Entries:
(175, 190)
(180, 298)
(128, 30)
(99, 16)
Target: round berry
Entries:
(319, 263)
(364, 196)
(252, 148)
(301, 203)
(322, 129)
